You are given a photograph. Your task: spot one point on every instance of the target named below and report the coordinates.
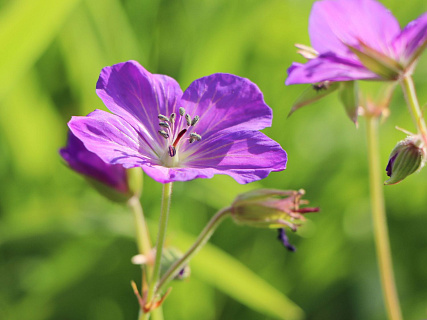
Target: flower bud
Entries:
(269, 208)
(406, 158)
(110, 180)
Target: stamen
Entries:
(195, 137)
(195, 120)
(163, 118)
(172, 151)
(172, 117)
(181, 111)
(164, 134)
(164, 124)
(183, 131)
(188, 118)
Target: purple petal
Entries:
(327, 67)
(244, 155)
(226, 102)
(333, 23)
(389, 168)
(284, 240)
(89, 164)
(113, 139)
(412, 37)
(138, 96)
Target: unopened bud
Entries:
(406, 158)
(269, 208)
(110, 180)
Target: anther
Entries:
(181, 111)
(172, 151)
(164, 125)
(163, 118)
(188, 118)
(195, 120)
(195, 137)
(172, 117)
(164, 134)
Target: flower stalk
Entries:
(414, 107)
(144, 247)
(142, 234)
(198, 244)
(164, 215)
(380, 222)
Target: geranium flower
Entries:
(111, 180)
(358, 39)
(211, 128)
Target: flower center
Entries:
(169, 130)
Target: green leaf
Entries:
(31, 126)
(313, 93)
(119, 41)
(82, 65)
(27, 27)
(349, 97)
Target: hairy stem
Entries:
(164, 214)
(380, 223)
(414, 107)
(198, 244)
(142, 234)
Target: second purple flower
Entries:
(357, 40)
(210, 128)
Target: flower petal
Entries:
(327, 67)
(138, 96)
(412, 38)
(113, 139)
(244, 155)
(333, 23)
(225, 101)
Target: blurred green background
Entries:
(65, 251)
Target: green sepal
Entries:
(109, 192)
(416, 54)
(384, 66)
(313, 93)
(349, 96)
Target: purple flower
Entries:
(211, 128)
(91, 166)
(358, 39)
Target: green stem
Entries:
(380, 222)
(144, 244)
(164, 214)
(200, 242)
(142, 234)
(413, 106)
